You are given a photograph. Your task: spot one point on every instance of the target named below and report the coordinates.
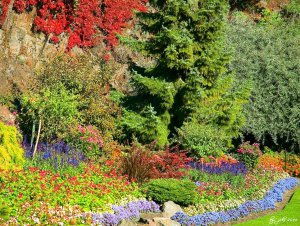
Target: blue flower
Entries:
(268, 202)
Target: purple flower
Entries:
(130, 211)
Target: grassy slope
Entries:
(289, 216)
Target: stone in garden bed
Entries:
(170, 208)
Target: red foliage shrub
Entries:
(141, 164)
(169, 164)
(82, 21)
(136, 163)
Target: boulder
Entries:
(163, 221)
(170, 208)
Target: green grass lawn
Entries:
(289, 216)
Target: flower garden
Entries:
(61, 188)
(156, 113)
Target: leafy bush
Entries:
(169, 164)
(56, 107)
(4, 212)
(182, 192)
(11, 154)
(249, 154)
(202, 140)
(88, 78)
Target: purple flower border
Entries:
(129, 211)
(268, 202)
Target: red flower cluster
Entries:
(83, 21)
(276, 161)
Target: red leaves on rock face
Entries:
(4, 8)
(84, 22)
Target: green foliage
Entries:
(88, 78)
(147, 126)
(56, 107)
(182, 192)
(11, 154)
(189, 79)
(202, 139)
(4, 212)
(292, 10)
(267, 54)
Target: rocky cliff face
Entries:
(22, 51)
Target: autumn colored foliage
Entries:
(141, 164)
(85, 21)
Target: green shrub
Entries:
(202, 140)
(56, 107)
(182, 192)
(11, 155)
(88, 78)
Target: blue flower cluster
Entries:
(130, 211)
(223, 167)
(59, 154)
(268, 202)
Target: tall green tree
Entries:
(268, 53)
(189, 82)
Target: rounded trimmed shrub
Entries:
(182, 192)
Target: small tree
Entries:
(54, 109)
(190, 78)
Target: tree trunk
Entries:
(37, 139)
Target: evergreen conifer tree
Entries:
(189, 85)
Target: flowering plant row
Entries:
(130, 211)
(268, 202)
(220, 167)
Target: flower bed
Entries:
(268, 202)
(87, 188)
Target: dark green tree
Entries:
(189, 82)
